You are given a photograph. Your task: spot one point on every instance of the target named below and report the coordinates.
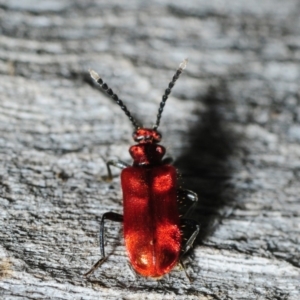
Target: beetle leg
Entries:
(116, 163)
(184, 269)
(195, 227)
(107, 216)
(167, 160)
(190, 195)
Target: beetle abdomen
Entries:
(151, 218)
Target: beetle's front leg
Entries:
(116, 163)
(190, 195)
(107, 216)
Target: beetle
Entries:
(152, 223)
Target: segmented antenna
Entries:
(182, 66)
(110, 92)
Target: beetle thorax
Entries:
(147, 151)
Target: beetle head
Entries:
(146, 135)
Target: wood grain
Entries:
(232, 124)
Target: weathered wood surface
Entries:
(232, 123)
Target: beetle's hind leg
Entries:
(116, 163)
(193, 228)
(190, 228)
(183, 195)
(168, 160)
(107, 216)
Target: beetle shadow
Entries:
(204, 165)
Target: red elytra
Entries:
(151, 219)
(152, 225)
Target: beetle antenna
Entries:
(182, 66)
(115, 97)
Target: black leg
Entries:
(191, 196)
(116, 163)
(107, 216)
(192, 226)
(184, 269)
(167, 160)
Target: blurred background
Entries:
(232, 124)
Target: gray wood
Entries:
(232, 123)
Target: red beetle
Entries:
(152, 224)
